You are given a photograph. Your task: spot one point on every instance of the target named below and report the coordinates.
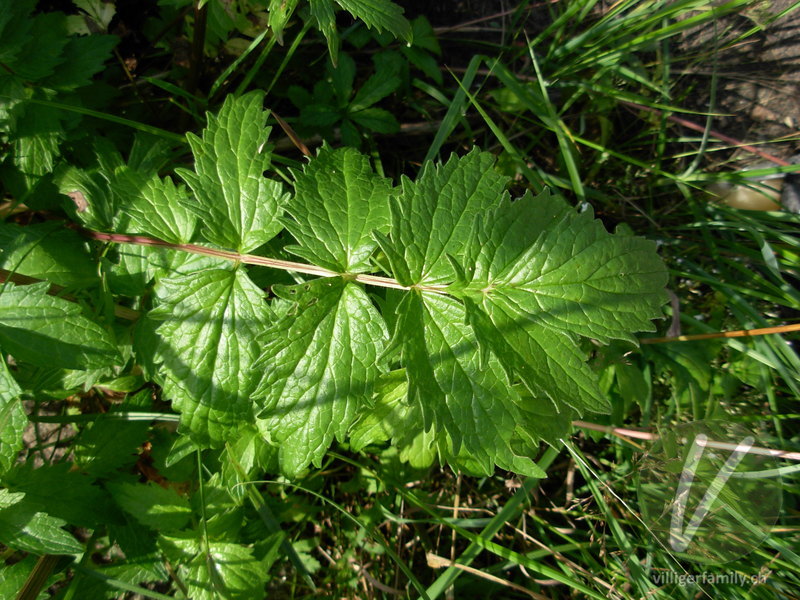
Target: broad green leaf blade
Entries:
(34, 135)
(339, 201)
(383, 82)
(380, 14)
(538, 256)
(162, 509)
(320, 364)
(239, 207)
(78, 501)
(393, 417)
(51, 332)
(207, 348)
(434, 216)
(99, 11)
(15, 25)
(340, 81)
(325, 16)
(279, 13)
(47, 251)
(22, 528)
(159, 209)
(91, 200)
(476, 420)
(12, 418)
(83, 57)
(376, 119)
(539, 276)
(43, 52)
(550, 362)
(222, 570)
(109, 444)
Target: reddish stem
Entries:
(716, 134)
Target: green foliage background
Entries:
(257, 360)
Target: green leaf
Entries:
(48, 331)
(383, 15)
(220, 570)
(320, 364)
(527, 280)
(109, 444)
(162, 509)
(159, 210)
(341, 77)
(324, 14)
(15, 25)
(78, 501)
(12, 418)
(35, 135)
(424, 35)
(207, 348)
(239, 207)
(99, 11)
(393, 417)
(43, 52)
(319, 115)
(280, 11)
(383, 82)
(83, 57)
(549, 362)
(129, 269)
(539, 275)
(91, 200)
(376, 119)
(433, 217)
(463, 393)
(47, 251)
(13, 577)
(22, 528)
(566, 270)
(339, 202)
(542, 421)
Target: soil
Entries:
(758, 79)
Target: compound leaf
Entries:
(541, 275)
(207, 348)
(320, 364)
(238, 205)
(339, 202)
(515, 287)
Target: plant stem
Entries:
(623, 433)
(723, 334)
(251, 259)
